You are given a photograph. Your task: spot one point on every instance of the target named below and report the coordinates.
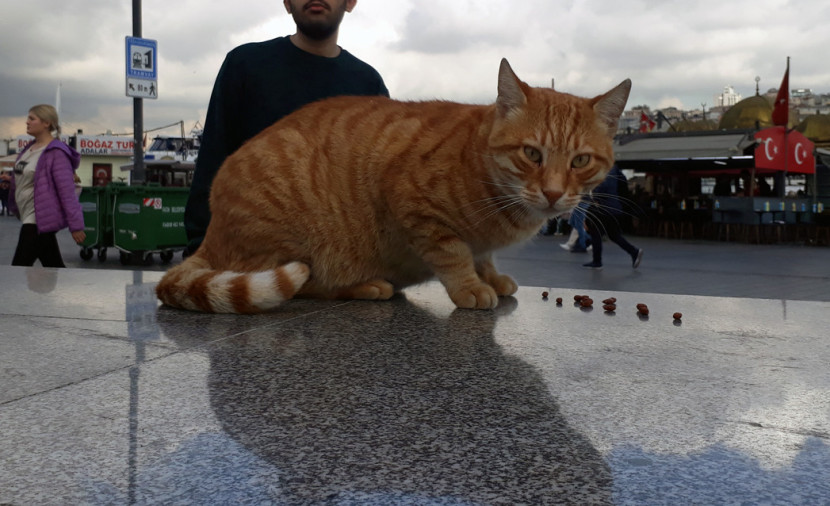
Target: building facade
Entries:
(101, 156)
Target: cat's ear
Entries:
(610, 106)
(511, 90)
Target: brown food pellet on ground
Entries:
(643, 311)
(609, 307)
(545, 295)
(641, 305)
(610, 300)
(677, 316)
(586, 302)
(559, 300)
(578, 297)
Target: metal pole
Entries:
(135, 370)
(782, 191)
(138, 109)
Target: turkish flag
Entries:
(781, 111)
(800, 154)
(779, 149)
(771, 151)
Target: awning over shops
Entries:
(692, 145)
(774, 149)
(686, 152)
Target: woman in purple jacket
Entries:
(42, 192)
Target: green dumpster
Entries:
(97, 222)
(147, 220)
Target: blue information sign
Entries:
(142, 58)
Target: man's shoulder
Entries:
(352, 60)
(369, 74)
(259, 49)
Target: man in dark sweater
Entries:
(603, 217)
(261, 82)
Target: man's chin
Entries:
(319, 25)
(317, 31)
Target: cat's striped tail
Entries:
(200, 288)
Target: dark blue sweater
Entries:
(605, 196)
(258, 84)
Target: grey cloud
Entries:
(429, 32)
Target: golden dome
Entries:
(816, 127)
(746, 113)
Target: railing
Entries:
(748, 219)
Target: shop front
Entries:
(101, 158)
(696, 183)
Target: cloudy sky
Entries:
(677, 53)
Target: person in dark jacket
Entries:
(259, 83)
(4, 193)
(603, 217)
(42, 192)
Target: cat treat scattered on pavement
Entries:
(609, 305)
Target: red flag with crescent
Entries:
(779, 149)
(781, 111)
(800, 153)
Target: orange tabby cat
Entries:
(357, 197)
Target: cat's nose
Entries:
(552, 196)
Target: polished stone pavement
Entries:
(107, 398)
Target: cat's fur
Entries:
(357, 197)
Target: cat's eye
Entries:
(533, 154)
(580, 161)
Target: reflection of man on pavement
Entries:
(259, 83)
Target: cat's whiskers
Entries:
(493, 204)
(607, 211)
(512, 186)
(492, 207)
(519, 213)
(632, 205)
(590, 218)
(513, 193)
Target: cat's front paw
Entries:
(504, 285)
(480, 296)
